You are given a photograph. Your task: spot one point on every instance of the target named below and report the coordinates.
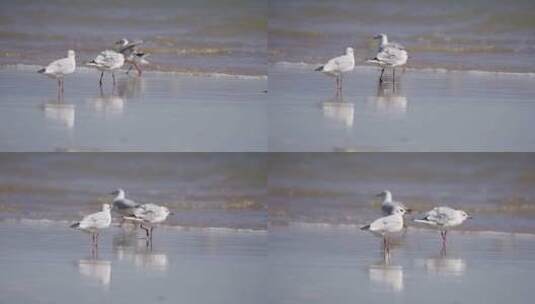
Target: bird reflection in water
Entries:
(386, 275)
(336, 109)
(108, 103)
(129, 248)
(57, 111)
(389, 99)
(445, 265)
(97, 270)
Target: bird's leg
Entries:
(138, 69)
(129, 69)
(341, 79)
(96, 240)
(113, 76)
(101, 76)
(381, 77)
(59, 89)
(394, 76)
(62, 87)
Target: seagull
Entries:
(337, 66)
(388, 204)
(387, 226)
(390, 54)
(107, 61)
(59, 68)
(92, 223)
(122, 205)
(444, 218)
(149, 215)
(131, 54)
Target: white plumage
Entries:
(107, 61)
(390, 54)
(95, 222)
(338, 65)
(151, 213)
(387, 226)
(443, 218)
(59, 68)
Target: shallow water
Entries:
(423, 111)
(181, 266)
(159, 112)
(318, 265)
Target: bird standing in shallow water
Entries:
(59, 68)
(337, 66)
(107, 61)
(443, 218)
(390, 54)
(386, 227)
(95, 222)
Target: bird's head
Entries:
(106, 207)
(121, 42)
(71, 53)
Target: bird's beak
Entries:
(470, 217)
(379, 194)
(409, 210)
(171, 213)
(377, 37)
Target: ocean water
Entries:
(468, 35)
(254, 191)
(206, 36)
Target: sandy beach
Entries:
(157, 113)
(426, 110)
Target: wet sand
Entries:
(425, 111)
(329, 264)
(53, 262)
(159, 112)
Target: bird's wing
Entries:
(91, 220)
(107, 58)
(390, 55)
(130, 47)
(337, 63)
(145, 211)
(125, 204)
(59, 65)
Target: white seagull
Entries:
(390, 54)
(132, 55)
(107, 61)
(122, 205)
(387, 226)
(150, 215)
(443, 218)
(337, 66)
(388, 204)
(95, 222)
(59, 68)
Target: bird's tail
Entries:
(143, 57)
(319, 69)
(365, 227)
(41, 71)
(75, 225)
